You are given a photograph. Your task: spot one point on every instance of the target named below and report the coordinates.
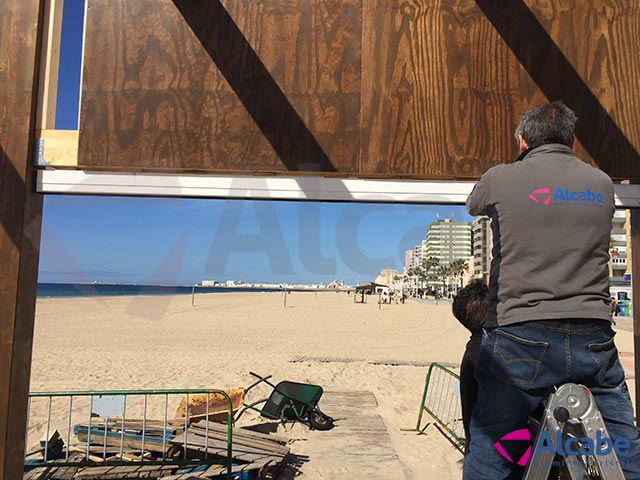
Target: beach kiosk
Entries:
(362, 291)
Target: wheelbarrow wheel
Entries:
(320, 421)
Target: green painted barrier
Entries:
(441, 401)
(118, 426)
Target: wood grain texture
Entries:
(209, 85)
(446, 82)
(438, 90)
(417, 88)
(588, 55)
(20, 219)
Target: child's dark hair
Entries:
(471, 304)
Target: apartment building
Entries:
(482, 240)
(448, 241)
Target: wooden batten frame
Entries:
(53, 147)
(49, 63)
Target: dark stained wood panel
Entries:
(411, 88)
(20, 220)
(588, 54)
(441, 91)
(234, 85)
(603, 44)
(445, 82)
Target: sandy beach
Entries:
(156, 342)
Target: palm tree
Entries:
(428, 271)
(458, 267)
(411, 277)
(444, 273)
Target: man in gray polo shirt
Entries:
(549, 319)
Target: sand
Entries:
(156, 342)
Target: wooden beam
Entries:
(635, 295)
(49, 61)
(20, 220)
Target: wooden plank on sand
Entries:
(93, 472)
(243, 432)
(129, 441)
(39, 473)
(260, 443)
(221, 469)
(219, 448)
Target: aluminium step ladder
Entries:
(571, 415)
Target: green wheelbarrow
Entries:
(289, 401)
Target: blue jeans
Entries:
(518, 364)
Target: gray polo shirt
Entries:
(551, 220)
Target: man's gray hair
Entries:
(547, 123)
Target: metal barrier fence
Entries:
(441, 400)
(93, 428)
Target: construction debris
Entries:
(102, 448)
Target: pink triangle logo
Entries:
(541, 195)
(522, 434)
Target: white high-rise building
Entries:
(619, 264)
(418, 256)
(408, 261)
(448, 241)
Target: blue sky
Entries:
(69, 65)
(183, 241)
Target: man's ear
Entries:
(522, 143)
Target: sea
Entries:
(58, 290)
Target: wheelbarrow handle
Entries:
(247, 406)
(261, 379)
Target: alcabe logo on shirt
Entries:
(541, 195)
(565, 196)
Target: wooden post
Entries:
(49, 62)
(193, 295)
(635, 300)
(20, 215)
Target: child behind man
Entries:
(470, 307)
